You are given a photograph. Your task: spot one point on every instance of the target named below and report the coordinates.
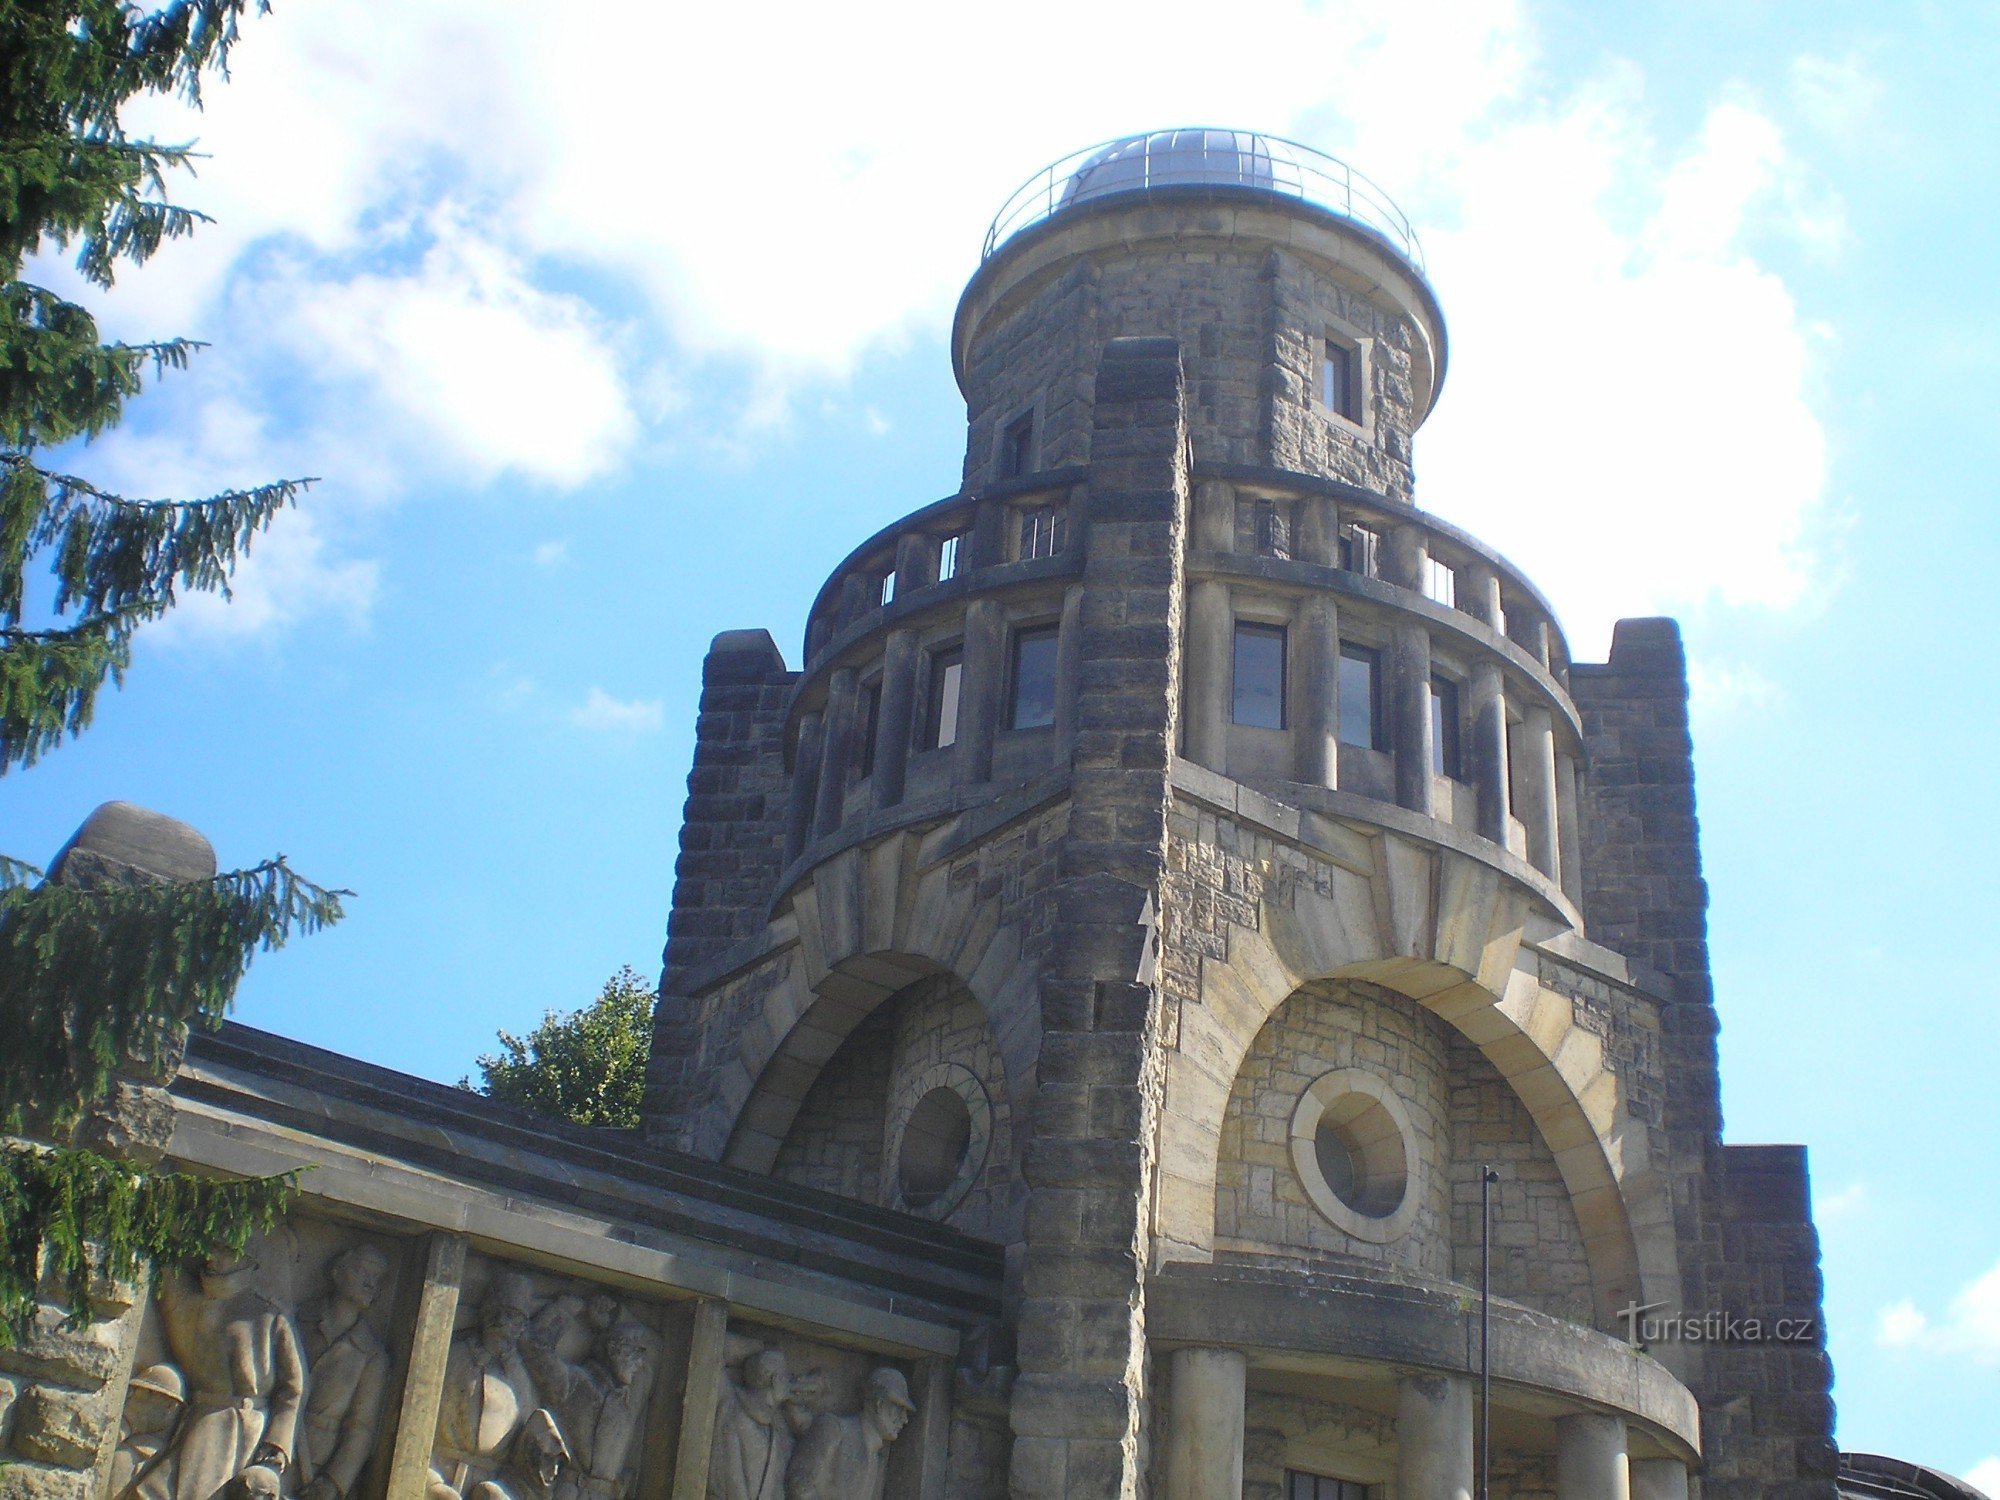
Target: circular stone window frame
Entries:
(963, 1082)
(1320, 1096)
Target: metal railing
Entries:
(1201, 156)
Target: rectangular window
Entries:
(1359, 548)
(947, 671)
(1259, 680)
(1043, 530)
(1441, 582)
(1034, 699)
(1445, 759)
(1017, 446)
(948, 556)
(887, 589)
(871, 718)
(1302, 1486)
(1340, 378)
(1360, 696)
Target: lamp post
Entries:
(1487, 1178)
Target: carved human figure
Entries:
(846, 1458)
(347, 1370)
(757, 1422)
(601, 1401)
(143, 1466)
(488, 1394)
(245, 1376)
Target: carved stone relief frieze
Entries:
(546, 1390)
(262, 1373)
(797, 1420)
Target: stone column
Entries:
(423, 1380)
(1658, 1479)
(1409, 667)
(1319, 531)
(857, 597)
(1489, 750)
(1535, 786)
(1205, 1424)
(916, 562)
(893, 716)
(1213, 524)
(1069, 670)
(707, 1346)
(1434, 1438)
(1316, 728)
(1409, 664)
(1479, 593)
(920, 1459)
(1569, 839)
(986, 543)
(836, 751)
(1210, 643)
(1590, 1458)
(979, 687)
(805, 786)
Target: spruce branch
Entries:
(71, 1220)
(49, 679)
(95, 980)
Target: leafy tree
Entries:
(586, 1066)
(93, 981)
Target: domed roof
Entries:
(1204, 157)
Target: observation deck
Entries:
(1206, 158)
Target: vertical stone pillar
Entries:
(980, 685)
(916, 561)
(1535, 786)
(986, 544)
(1212, 525)
(805, 786)
(1569, 841)
(1211, 630)
(1658, 1479)
(1316, 727)
(893, 717)
(1590, 1458)
(1479, 593)
(920, 1461)
(1319, 531)
(1409, 674)
(836, 751)
(707, 1345)
(1489, 750)
(857, 597)
(1410, 713)
(1080, 1397)
(1205, 1424)
(423, 1381)
(1069, 666)
(1434, 1438)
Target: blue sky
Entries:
(606, 338)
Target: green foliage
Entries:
(95, 980)
(586, 1066)
(69, 1219)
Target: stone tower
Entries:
(1184, 863)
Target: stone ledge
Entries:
(1365, 1319)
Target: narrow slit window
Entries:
(948, 551)
(1017, 446)
(1274, 530)
(1359, 548)
(871, 720)
(947, 673)
(1258, 684)
(1034, 698)
(1340, 378)
(1445, 753)
(886, 591)
(1043, 530)
(1360, 697)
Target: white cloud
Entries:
(479, 218)
(876, 424)
(605, 714)
(1726, 690)
(552, 554)
(1984, 1476)
(1971, 1329)
(1836, 95)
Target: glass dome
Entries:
(1201, 156)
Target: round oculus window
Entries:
(1351, 1148)
(936, 1142)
